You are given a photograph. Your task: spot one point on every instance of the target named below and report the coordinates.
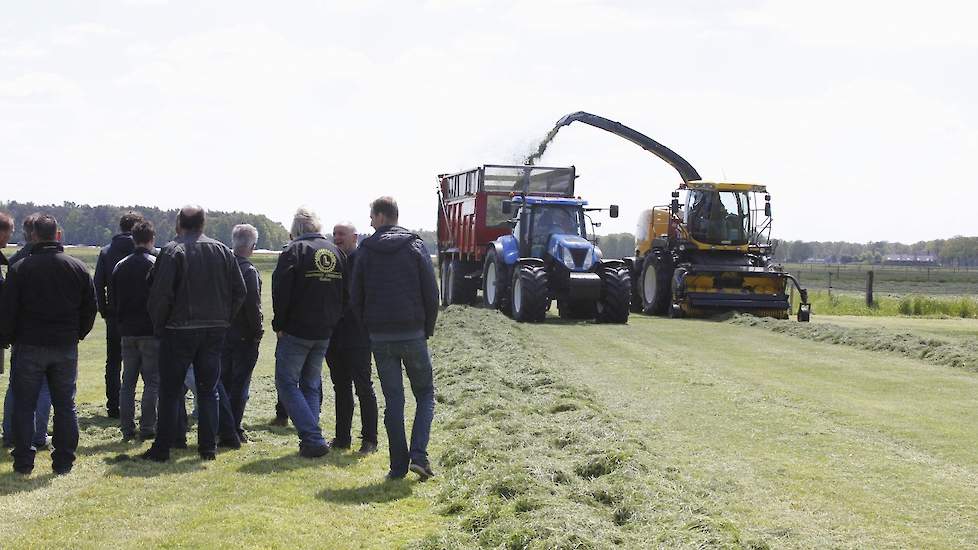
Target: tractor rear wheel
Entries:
(655, 285)
(495, 284)
(530, 293)
(616, 291)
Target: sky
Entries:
(860, 117)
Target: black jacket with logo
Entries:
(195, 284)
(247, 324)
(394, 289)
(307, 288)
(349, 332)
(110, 255)
(48, 299)
(128, 293)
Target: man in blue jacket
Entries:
(395, 294)
(110, 255)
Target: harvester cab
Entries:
(536, 251)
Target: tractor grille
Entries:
(579, 255)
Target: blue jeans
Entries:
(413, 354)
(299, 381)
(41, 415)
(59, 366)
(178, 350)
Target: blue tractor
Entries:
(548, 257)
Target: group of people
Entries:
(194, 307)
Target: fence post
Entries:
(869, 288)
(830, 284)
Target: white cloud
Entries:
(38, 86)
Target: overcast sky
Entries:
(861, 117)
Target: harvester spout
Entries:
(685, 169)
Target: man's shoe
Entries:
(154, 456)
(313, 452)
(113, 413)
(46, 446)
(367, 447)
(127, 437)
(24, 471)
(182, 444)
(423, 470)
(206, 455)
(280, 421)
(337, 444)
(62, 471)
(147, 436)
(227, 443)
(243, 437)
(391, 476)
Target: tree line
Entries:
(960, 251)
(94, 225)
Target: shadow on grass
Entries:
(12, 483)
(375, 493)
(112, 446)
(133, 466)
(292, 462)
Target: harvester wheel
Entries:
(655, 285)
(495, 284)
(529, 292)
(616, 291)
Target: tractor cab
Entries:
(726, 214)
(553, 229)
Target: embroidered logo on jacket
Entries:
(325, 263)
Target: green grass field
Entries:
(662, 433)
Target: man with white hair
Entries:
(348, 359)
(240, 352)
(307, 302)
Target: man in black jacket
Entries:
(197, 289)
(128, 292)
(43, 411)
(348, 359)
(48, 305)
(111, 254)
(395, 295)
(307, 302)
(240, 352)
(6, 230)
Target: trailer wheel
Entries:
(530, 293)
(655, 285)
(616, 291)
(456, 289)
(495, 284)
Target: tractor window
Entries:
(494, 211)
(718, 217)
(556, 220)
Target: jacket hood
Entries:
(390, 239)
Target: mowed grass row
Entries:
(800, 444)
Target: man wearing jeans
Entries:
(43, 412)
(128, 292)
(47, 306)
(395, 295)
(197, 289)
(307, 302)
(110, 255)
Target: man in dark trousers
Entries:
(6, 230)
(240, 352)
(348, 359)
(120, 247)
(47, 306)
(307, 301)
(395, 294)
(43, 412)
(128, 293)
(197, 289)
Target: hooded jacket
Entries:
(48, 299)
(307, 288)
(196, 284)
(128, 293)
(110, 255)
(394, 291)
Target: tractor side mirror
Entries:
(613, 211)
(507, 207)
(674, 206)
(767, 205)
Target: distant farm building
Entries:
(925, 260)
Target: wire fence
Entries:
(887, 280)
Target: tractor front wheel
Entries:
(529, 293)
(616, 291)
(495, 287)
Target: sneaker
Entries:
(229, 443)
(207, 455)
(423, 470)
(46, 446)
(280, 421)
(313, 452)
(154, 456)
(62, 471)
(367, 447)
(337, 444)
(391, 476)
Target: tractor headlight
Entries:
(567, 258)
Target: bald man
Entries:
(348, 359)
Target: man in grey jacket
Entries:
(197, 290)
